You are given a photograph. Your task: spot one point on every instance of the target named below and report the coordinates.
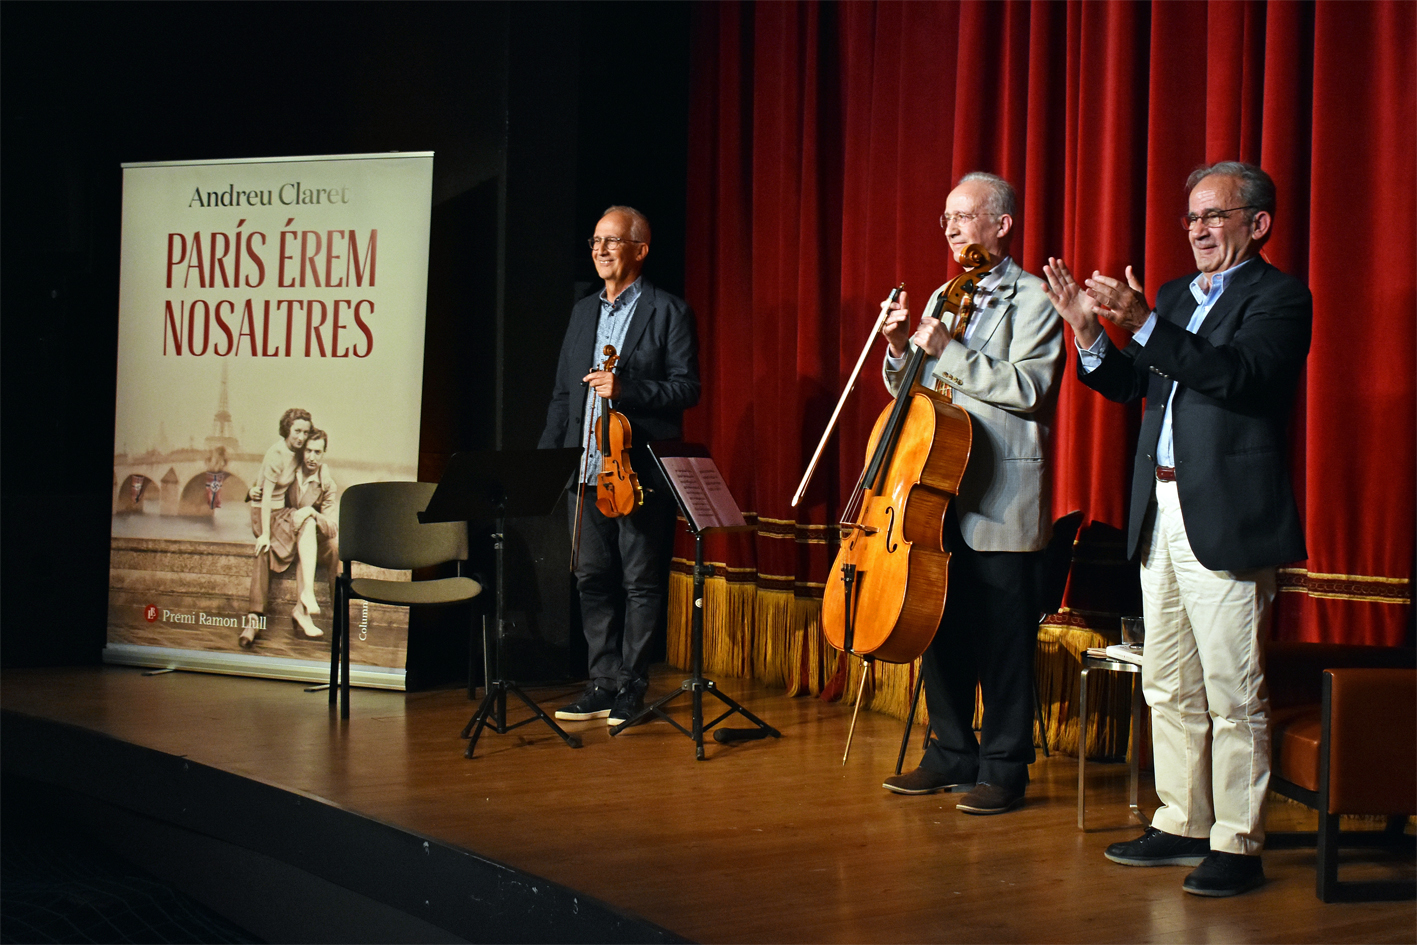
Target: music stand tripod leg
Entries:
(477, 723)
(540, 713)
(735, 708)
(486, 681)
(697, 684)
(494, 704)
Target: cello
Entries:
(885, 593)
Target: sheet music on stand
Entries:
(703, 495)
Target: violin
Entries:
(886, 590)
(617, 488)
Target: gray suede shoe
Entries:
(989, 798)
(919, 781)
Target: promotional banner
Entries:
(270, 355)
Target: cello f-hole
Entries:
(891, 543)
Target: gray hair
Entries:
(1256, 187)
(639, 223)
(1002, 199)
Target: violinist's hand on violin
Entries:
(1079, 309)
(1123, 305)
(604, 383)
(896, 327)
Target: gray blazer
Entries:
(1007, 380)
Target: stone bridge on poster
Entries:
(178, 480)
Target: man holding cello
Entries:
(1002, 366)
(621, 556)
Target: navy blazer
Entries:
(658, 371)
(1235, 379)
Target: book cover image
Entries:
(270, 356)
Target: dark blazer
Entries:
(658, 372)
(1236, 380)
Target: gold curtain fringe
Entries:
(1058, 662)
(888, 685)
(679, 629)
(772, 659)
(813, 661)
(729, 627)
(775, 636)
(1306, 818)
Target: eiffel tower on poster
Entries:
(221, 423)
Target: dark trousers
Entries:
(622, 567)
(988, 636)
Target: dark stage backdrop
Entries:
(512, 99)
(824, 139)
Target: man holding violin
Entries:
(1003, 366)
(1218, 360)
(621, 558)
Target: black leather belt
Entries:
(1165, 473)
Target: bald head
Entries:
(619, 248)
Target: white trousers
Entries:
(1203, 677)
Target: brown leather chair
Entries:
(1344, 724)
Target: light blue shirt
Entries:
(611, 328)
(1091, 357)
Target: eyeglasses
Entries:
(611, 242)
(947, 218)
(1211, 218)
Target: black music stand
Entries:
(489, 486)
(705, 509)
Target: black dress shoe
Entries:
(919, 781)
(1159, 848)
(1225, 874)
(989, 798)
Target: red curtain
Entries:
(825, 137)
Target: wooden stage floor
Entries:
(764, 841)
